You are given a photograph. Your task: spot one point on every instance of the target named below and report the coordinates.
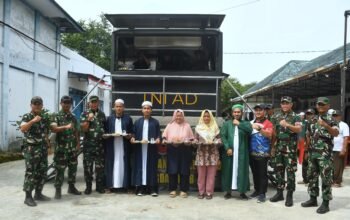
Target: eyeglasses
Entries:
(321, 104)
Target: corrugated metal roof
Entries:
(290, 69)
(296, 68)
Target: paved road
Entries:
(124, 206)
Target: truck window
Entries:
(170, 53)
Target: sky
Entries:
(250, 26)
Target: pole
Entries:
(81, 101)
(344, 67)
(239, 94)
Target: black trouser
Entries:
(258, 165)
(184, 182)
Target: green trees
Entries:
(227, 93)
(94, 43)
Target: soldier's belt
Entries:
(325, 139)
(33, 143)
(313, 150)
(287, 139)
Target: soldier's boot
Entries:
(100, 189)
(40, 197)
(312, 202)
(278, 196)
(289, 199)
(29, 201)
(58, 193)
(88, 188)
(324, 208)
(73, 190)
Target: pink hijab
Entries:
(175, 132)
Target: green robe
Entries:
(227, 134)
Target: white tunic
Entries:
(118, 165)
(235, 159)
(144, 152)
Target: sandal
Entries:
(200, 196)
(209, 196)
(172, 194)
(183, 195)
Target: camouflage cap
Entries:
(286, 99)
(336, 112)
(36, 100)
(66, 99)
(323, 100)
(93, 98)
(310, 111)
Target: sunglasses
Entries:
(321, 104)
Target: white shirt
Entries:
(339, 140)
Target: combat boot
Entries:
(40, 197)
(88, 189)
(100, 190)
(58, 193)
(73, 190)
(29, 201)
(289, 199)
(312, 202)
(278, 196)
(324, 208)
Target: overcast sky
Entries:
(249, 26)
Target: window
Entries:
(166, 53)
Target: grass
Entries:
(10, 156)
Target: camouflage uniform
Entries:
(286, 147)
(320, 157)
(35, 151)
(94, 147)
(65, 151)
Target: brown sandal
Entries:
(200, 196)
(209, 196)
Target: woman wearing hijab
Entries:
(177, 135)
(235, 135)
(207, 157)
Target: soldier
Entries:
(66, 126)
(286, 126)
(92, 123)
(35, 126)
(321, 130)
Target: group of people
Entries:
(125, 153)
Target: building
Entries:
(304, 81)
(33, 62)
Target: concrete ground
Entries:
(129, 206)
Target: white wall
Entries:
(47, 91)
(1, 19)
(20, 89)
(47, 36)
(22, 18)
